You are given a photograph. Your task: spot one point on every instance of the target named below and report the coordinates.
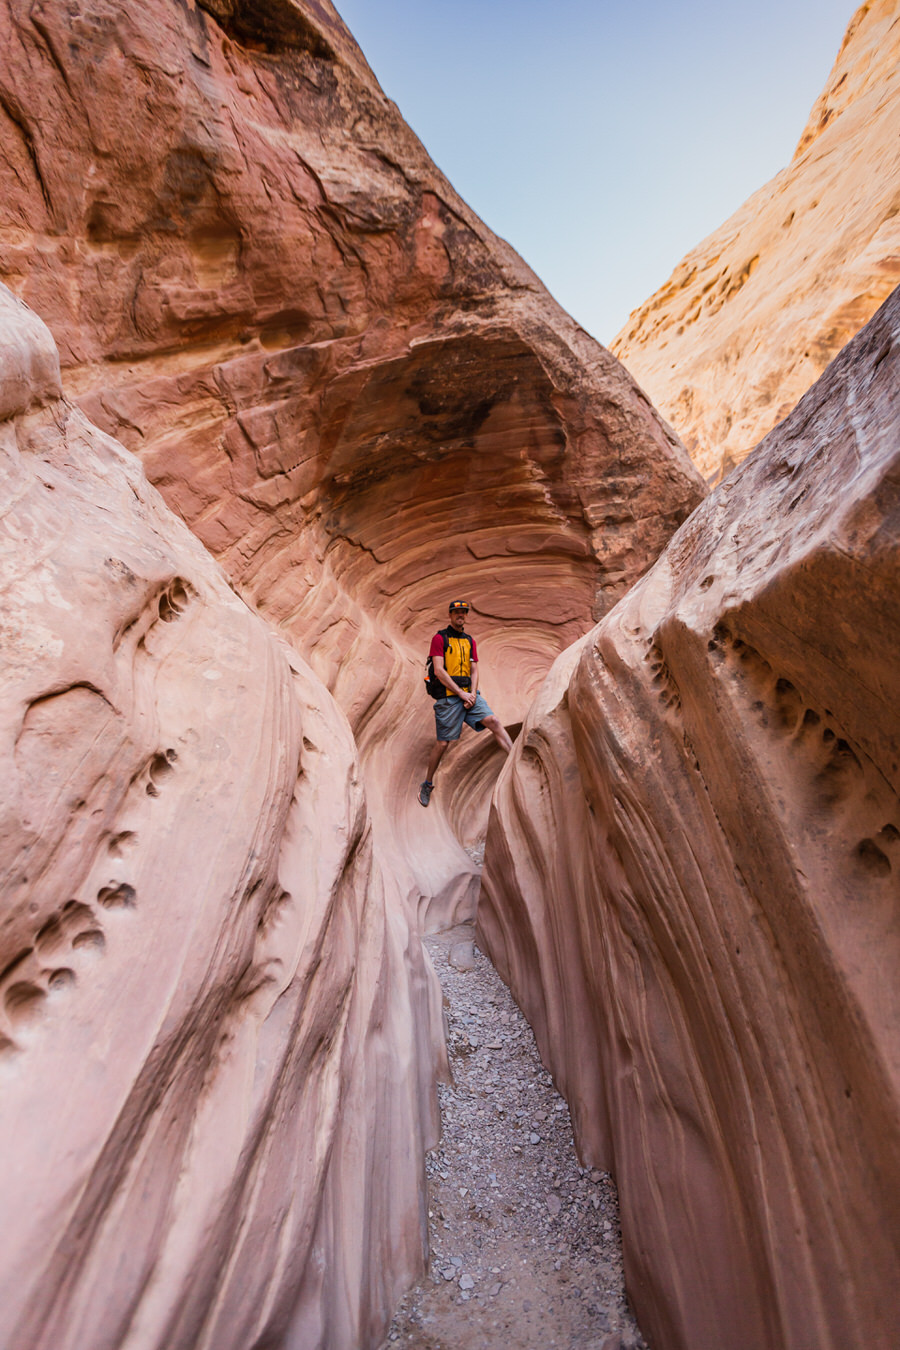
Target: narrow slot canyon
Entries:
(601, 1048)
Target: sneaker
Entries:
(425, 792)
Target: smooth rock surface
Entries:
(462, 955)
(217, 1035)
(752, 316)
(359, 399)
(691, 885)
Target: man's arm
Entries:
(467, 695)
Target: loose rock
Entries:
(517, 1216)
(462, 955)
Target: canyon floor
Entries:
(525, 1243)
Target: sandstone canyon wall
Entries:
(359, 399)
(753, 315)
(217, 1036)
(219, 1030)
(691, 884)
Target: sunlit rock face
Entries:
(217, 1037)
(360, 400)
(751, 317)
(691, 884)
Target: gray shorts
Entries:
(450, 713)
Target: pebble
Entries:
(519, 1217)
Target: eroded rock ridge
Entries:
(753, 315)
(210, 1019)
(691, 885)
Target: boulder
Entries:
(691, 886)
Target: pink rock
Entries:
(359, 399)
(217, 1037)
(362, 403)
(691, 887)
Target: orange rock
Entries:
(362, 403)
(752, 316)
(359, 399)
(209, 1132)
(691, 887)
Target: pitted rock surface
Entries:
(217, 1029)
(192, 1096)
(691, 886)
(359, 399)
(360, 402)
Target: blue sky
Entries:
(603, 140)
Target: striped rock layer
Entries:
(691, 885)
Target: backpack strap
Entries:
(445, 634)
(448, 633)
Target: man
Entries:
(455, 660)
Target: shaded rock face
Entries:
(751, 317)
(217, 1036)
(691, 884)
(360, 400)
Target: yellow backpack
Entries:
(459, 647)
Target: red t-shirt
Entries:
(437, 647)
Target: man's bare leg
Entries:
(426, 788)
(499, 732)
(437, 754)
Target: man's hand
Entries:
(468, 698)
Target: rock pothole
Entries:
(525, 1243)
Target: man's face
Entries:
(458, 619)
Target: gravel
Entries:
(525, 1243)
